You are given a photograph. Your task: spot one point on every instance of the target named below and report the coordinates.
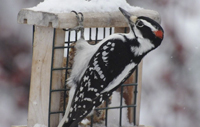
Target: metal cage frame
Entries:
(66, 75)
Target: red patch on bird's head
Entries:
(159, 34)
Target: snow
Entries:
(61, 6)
(85, 121)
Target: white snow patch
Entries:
(39, 125)
(85, 121)
(61, 6)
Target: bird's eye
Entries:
(139, 23)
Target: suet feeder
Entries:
(51, 63)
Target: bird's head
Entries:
(144, 27)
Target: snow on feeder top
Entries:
(50, 65)
(97, 13)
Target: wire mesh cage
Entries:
(93, 36)
(53, 51)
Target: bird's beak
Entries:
(127, 15)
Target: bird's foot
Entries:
(80, 26)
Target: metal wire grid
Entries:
(67, 48)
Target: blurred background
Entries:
(170, 93)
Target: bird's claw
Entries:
(79, 17)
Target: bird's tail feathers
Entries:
(65, 118)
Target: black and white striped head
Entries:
(144, 27)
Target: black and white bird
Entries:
(100, 69)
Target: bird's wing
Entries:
(84, 52)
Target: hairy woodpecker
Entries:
(100, 69)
